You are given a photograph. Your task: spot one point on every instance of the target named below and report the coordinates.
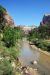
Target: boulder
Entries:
(34, 62)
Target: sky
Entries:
(27, 12)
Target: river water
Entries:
(28, 54)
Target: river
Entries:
(28, 54)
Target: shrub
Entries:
(6, 68)
(19, 33)
(36, 41)
(42, 46)
(9, 36)
(48, 47)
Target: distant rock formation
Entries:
(9, 20)
(25, 28)
(45, 20)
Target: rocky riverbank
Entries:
(28, 71)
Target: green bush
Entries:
(48, 47)
(19, 33)
(41, 44)
(36, 41)
(6, 68)
(9, 36)
(8, 56)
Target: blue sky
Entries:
(26, 12)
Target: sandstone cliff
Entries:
(9, 20)
(5, 17)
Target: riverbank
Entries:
(29, 71)
(36, 48)
(44, 58)
(29, 55)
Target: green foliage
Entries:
(9, 36)
(19, 33)
(44, 31)
(6, 68)
(7, 56)
(13, 52)
(37, 35)
(2, 19)
(2, 8)
(2, 12)
(42, 44)
(34, 34)
(9, 50)
(2, 25)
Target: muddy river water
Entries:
(29, 54)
